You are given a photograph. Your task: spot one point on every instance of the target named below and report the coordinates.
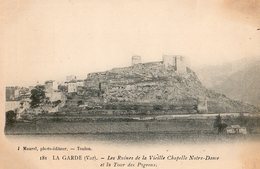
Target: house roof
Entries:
(235, 126)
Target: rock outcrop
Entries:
(154, 84)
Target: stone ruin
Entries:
(176, 61)
(136, 60)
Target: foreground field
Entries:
(85, 124)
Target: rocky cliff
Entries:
(153, 84)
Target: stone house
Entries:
(72, 86)
(12, 93)
(80, 83)
(236, 129)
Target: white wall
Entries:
(72, 87)
(11, 105)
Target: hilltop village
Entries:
(155, 97)
(168, 86)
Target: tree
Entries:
(219, 124)
(10, 117)
(37, 96)
(217, 121)
(80, 102)
(242, 120)
(63, 88)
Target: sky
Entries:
(50, 39)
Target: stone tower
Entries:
(169, 60)
(136, 60)
(180, 65)
(175, 61)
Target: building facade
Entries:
(72, 87)
(80, 83)
(12, 93)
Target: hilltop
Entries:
(156, 86)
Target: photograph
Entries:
(130, 84)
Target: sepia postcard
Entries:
(149, 84)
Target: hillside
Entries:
(213, 75)
(239, 80)
(243, 85)
(152, 84)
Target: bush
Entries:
(157, 107)
(10, 117)
(37, 96)
(219, 124)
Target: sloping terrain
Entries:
(152, 83)
(243, 85)
(239, 80)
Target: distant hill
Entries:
(239, 80)
(243, 85)
(152, 83)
